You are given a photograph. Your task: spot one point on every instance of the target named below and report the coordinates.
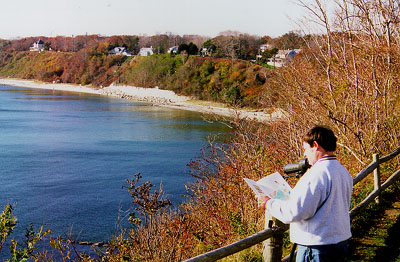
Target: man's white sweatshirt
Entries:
(318, 206)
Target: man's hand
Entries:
(261, 200)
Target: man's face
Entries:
(310, 153)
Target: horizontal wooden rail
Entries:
(371, 167)
(374, 194)
(365, 172)
(235, 247)
(390, 156)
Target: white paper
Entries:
(273, 186)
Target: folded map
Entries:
(274, 186)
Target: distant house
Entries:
(173, 50)
(37, 46)
(283, 57)
(120, 51)
(204, 52)
(146, 51)
(293, 53)
(264, 47)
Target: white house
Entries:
(37, 46)
(204, 52)
(120, 51)
(264, 47)
(146, 51)
(283, 57)
(173, 50)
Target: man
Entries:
(318, 206)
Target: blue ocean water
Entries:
(65, 156)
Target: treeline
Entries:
(243, 46)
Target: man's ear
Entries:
(316, 145)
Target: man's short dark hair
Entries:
(324, 136)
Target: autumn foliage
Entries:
(347, 78)
(220, 208)
(236, 82)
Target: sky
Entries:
(24, 18)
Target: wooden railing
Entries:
(272, 231)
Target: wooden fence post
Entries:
(377, 178)
(272, 247)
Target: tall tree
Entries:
(348, 76)
(190, 49)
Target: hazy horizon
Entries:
(24, 18)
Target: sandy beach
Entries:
(155, 96)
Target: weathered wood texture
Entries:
(371, 167)
(235, 247)
(272, 247)
(374, 194)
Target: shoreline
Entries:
(156, 96)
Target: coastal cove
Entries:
(155, 96)
(67, 151)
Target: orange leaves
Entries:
(235, 76)
(251, 91)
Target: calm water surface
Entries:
(64, 156)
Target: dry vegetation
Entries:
(347, 78)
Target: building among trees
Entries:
(283, 57)
(120, 51)
(173, 50)
(37, 46)
(146, 51)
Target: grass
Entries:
(376, 237)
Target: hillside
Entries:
(235, 82)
